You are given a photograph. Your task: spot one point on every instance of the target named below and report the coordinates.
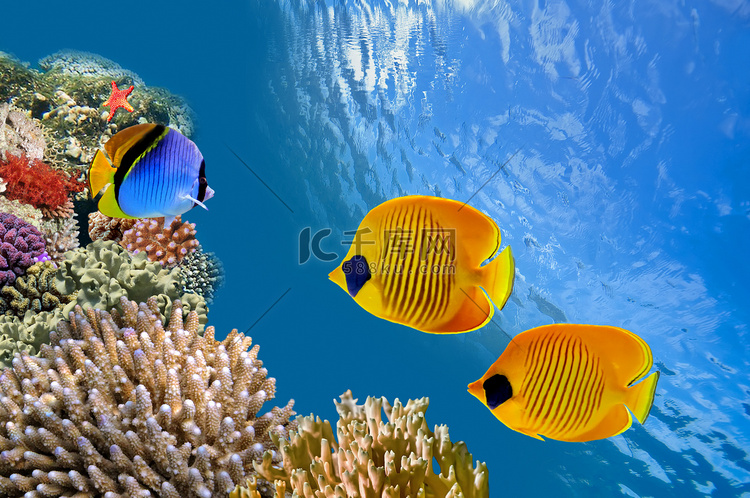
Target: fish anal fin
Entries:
(530, 434)
(108, 204)
(473, 311)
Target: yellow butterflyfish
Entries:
(417, 261)
(570, 382)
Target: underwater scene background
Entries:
(610, 143)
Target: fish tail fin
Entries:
(497, 277)
(101, 172)
(640, 397)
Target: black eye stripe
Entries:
(497, 390)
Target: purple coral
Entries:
(20, 244)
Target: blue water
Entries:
(627, 201)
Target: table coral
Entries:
(167, 246)
(21, 243)
(35, 291)
(375, 458)
(120, 405)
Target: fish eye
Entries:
(497, 390)
(203, 180)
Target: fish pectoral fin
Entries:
(193, 199)
(168, 221)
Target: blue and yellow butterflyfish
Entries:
(149, 171)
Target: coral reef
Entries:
(21, 243)
(61, 236)
(202, 273)
(253, 488)
(98, 275)
(67, 94)
(102, 227)
(33, 182)
(167, 246)
(19, 134)
(119, 405)
(104, 271)
(374, 458)
(27, 213)
(35, 292)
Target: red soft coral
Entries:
(33, 182)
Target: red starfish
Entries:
(118, 99)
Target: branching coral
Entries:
(375, 458)
(167, 246)
(61, 236)
(203, 273)
(102, 227)
(20, 244)
(36, 291)
(120, 406)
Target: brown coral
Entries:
(395, 458)
(65, 210)
(168, 245)
(35, 291)
(102, 227)
(117, 405)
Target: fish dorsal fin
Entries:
(630, 355)
(122, 141)
(101, 173)
(135, 148)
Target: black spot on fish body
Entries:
(497, 390)
(357, 274)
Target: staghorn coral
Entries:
(167, 246)
(121, 406)
(251, 490)
(102, 227)
(35, 291)
(202, 273)
(33, 182)
(20, 244)
(375, 458)
(61, 236)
